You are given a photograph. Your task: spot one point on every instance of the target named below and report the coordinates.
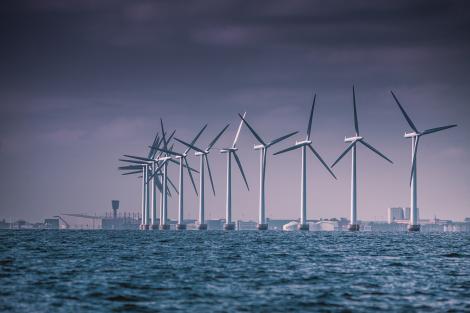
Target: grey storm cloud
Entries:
(85, 81)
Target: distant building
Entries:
(395, 214)
(249, 225)
(215, 224)
(400, 215)
(51, 223)
(4, 224)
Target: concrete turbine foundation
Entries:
(164, 226)
(262, 226)
(353, 227)
(414, 228)
(202, 226)
(229, 226)
(180, 226)
(303, 227)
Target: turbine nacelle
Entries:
(411, 135)
(351, 139)
(303, 143)
(165, 158)
(198, 153)
(226, 150)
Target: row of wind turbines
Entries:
(154, 170)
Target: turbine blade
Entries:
(375, 150)
(154, 146)
(288, 149)
(238, 131)
(210, 173)
(252, 130)
(413, 164)
(321, 160)
(241, 169)
(154, 143)
(138, 158)
(157, 182)
(168, 192)
(133, 172)
(217, 137)
(437, 129)
(130, 167)
(158, 169)
(344, 153)
(195, 138)
(163, 135)
(309, 128)
(168, 152)
(171, 136)
(190, 168)
(172, 185)
(410, 122)
(281, 138)
(190, 175)
(189, 145)
(133, 161)
(356, 124)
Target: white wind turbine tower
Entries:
(203, 161)
(263, 149)
(354, 226)
(183, 158)
(232, 151)
(415, 135)
(304, 144)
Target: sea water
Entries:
(238, 271)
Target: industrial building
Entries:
(400, 215)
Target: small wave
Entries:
(453, 255)
(396, 264)
(124, 298)
(6, 261)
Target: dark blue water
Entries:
(136, 271)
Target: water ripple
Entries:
(134, 271)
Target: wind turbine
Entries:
(232, 151)
(415, 135)
(303, 192)
(153, 186)
(203, 153)
(137, 169)
(354, 226)
(144, 169)
(183, 158)
(151, 181)
(263, 148)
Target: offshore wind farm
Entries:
(152, 169)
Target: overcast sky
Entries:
(83, 82)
